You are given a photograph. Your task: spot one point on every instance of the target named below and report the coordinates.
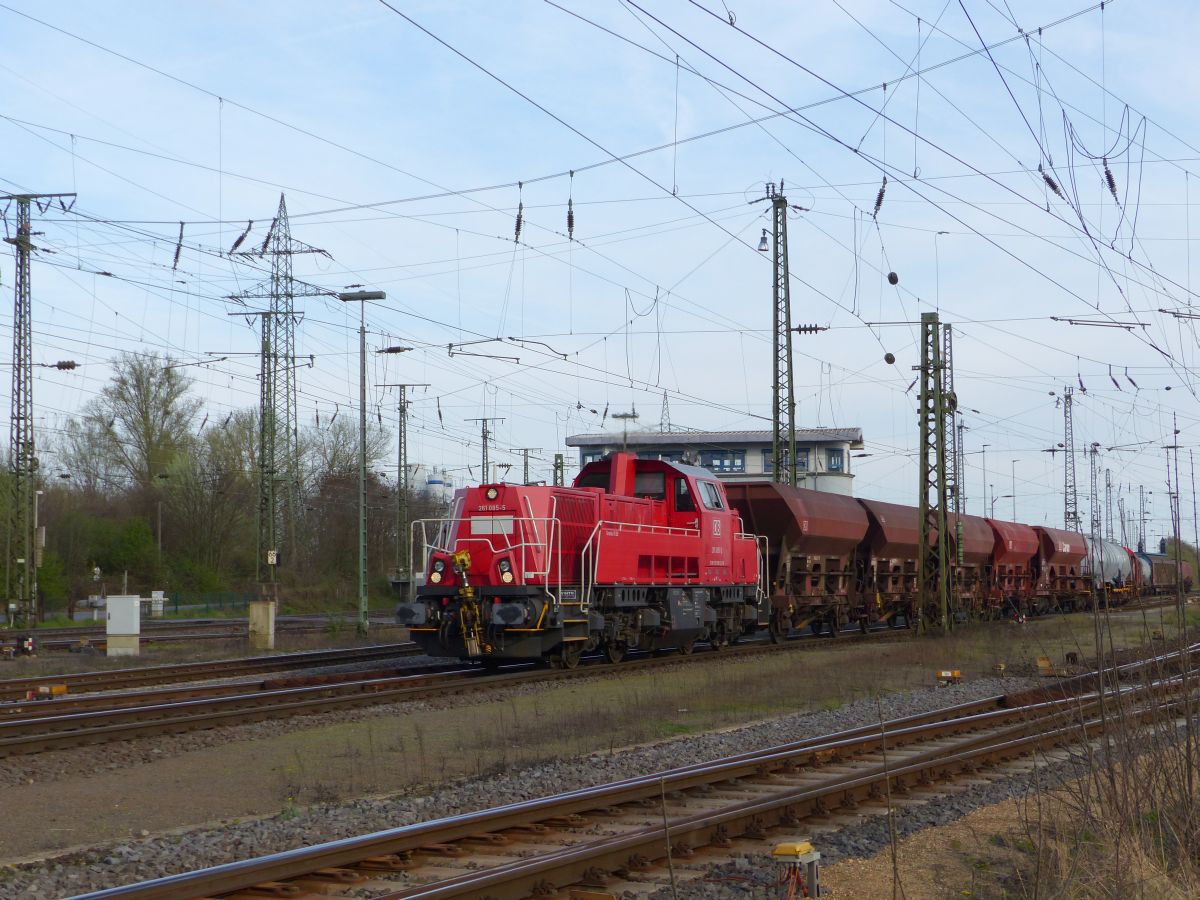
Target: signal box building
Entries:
(823, 455)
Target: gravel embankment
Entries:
(157, 855)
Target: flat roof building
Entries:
(822, 454)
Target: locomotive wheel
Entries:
(614, 652)
(687, 647)
(569, 658)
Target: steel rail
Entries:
(34, 730)
(575, 863)
(132, 700)
(380, 845)
(15, 688)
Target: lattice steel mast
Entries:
(279, 440)
(936, 410)
(1108, 505)
(1071, 518)
(20, 572)
(485, 438)
(783, 402)
(403, 489)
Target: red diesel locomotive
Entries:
(637, 554)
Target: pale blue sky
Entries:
(413, 119)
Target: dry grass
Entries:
(577, 719)
(1129, 825)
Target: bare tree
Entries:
(139, 424)
(333, 449)
(210, 492)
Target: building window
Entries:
(671, 456)
(835, 459)
(591, 457)
(723, 461)
(801, 460)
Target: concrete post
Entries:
(262, 624)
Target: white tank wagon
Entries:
(1113, 565)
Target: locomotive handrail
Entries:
(640, 526)
(762, 554)
(446, 533)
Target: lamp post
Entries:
(994, 499)
(361, 297)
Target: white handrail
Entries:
(445, 532)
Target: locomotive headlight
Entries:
(505, 565)
(435, 577)
(492, 493)
(506, 572)
(439, 565)
(506, 577)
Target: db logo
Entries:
(716, 527)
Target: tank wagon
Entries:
(637, 554)
(647, 554)
(1110, 569)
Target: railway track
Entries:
(35, 726)
(159, 631)
(117, 679)
(596, 836)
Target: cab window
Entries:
(683, 497)
(710, 494)
(593, 479)
(652, 485)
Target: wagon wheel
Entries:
(614, 652)
(687, 647)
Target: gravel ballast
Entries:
(747, 879)
(152, 856)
